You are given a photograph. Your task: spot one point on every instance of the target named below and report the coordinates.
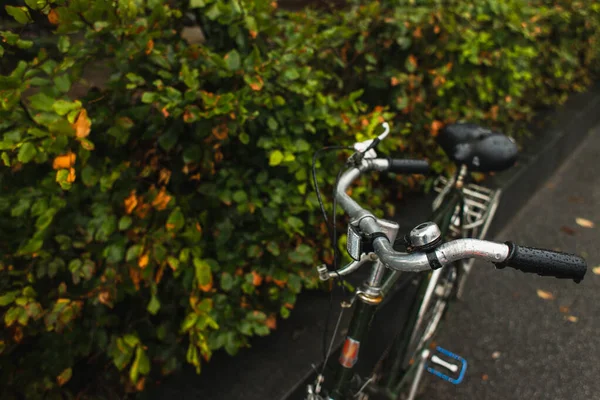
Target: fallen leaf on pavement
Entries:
(596, 270)
(572, 318)
(485, 377)
(586, 223)
(545, 295)
(576, 199)
(496, 355)
(567, 230)
(564, 309)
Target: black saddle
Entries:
(480, 149)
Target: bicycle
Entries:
(437, 259)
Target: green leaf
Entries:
(27, 152)
(8, 298)
(272, 123)
(64, 376)
(6, 159)
(41, 101)
(213, 12)
(197, 3)
(192, 154)
(233, 60)
(148, 97)
(275, 158)
(153, 305)
(226, 281)
(203, 272)
(31, 246)
(89, 176)
(63, 83)
(20, 14)
(114, 253)
(176, 220)
(35, 4)
(240, 196)
(125, 222)
(291, 74)
(189, 321)
(295, 222)
(62, 176)
(133, 252)
(64, 42)
(63, 107)
(24, 44)
(273, 248)
(140, 365)
(244, 138)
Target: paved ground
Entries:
(540, 354)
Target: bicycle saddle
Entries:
(480, 149)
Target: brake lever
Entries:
(325, 274)
(366, 149)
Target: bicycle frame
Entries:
(365, 306)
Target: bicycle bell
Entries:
(425, 236)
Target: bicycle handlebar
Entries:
(542, 262)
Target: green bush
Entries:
(167, 212)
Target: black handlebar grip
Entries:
(545, 262)
(404, 166)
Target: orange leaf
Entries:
(164, 176)
(143, 261)
(161, 200)
(271, 322)
(165, 112)
(65, 161)
(104, 298)
(256, 279)
(394, 81)
(207, 287)
(53, 17)
(64, 376)
(71, 177)
(143, 210)
(412, 60)
(545, 295)
(220, 132)
(82, 124)
(135, 276)
(435, 127)
(586, 223)
(289, 306)
(159, 274)
(131, 202)
(280, 283)
(149, 46)
(257, 85)
(418, 33)
(253, 34)
(139, 386)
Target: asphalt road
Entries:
(518, 345)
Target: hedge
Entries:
(168, 212)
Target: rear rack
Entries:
(480, 206)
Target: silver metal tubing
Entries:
(446, 253)
(471, 248)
